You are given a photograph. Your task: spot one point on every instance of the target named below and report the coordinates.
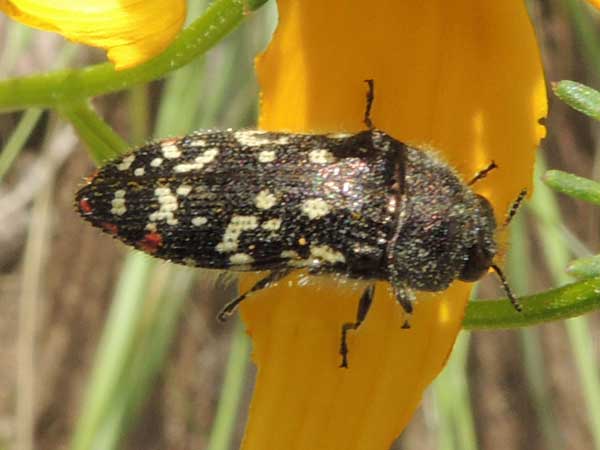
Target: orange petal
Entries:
(131, 31)
(463, 76)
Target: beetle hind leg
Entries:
(263, 283)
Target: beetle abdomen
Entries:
(251, 200)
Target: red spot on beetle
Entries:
(109, 227)
(84, 206)
(150, 242)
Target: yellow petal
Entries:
(463, 76)
(595, 3)
(131, 31)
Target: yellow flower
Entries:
(131, 31)
(464, 77)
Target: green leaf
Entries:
(574, 186)
(585, 267)
(579, 97)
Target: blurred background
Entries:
(188, 380)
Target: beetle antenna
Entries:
(515, 206)
(370, 97)
(507, 288)
(483, 173)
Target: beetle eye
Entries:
(481, 254)
(477, 265)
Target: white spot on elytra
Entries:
(199, 162)
(321, 156)
(267, 156)
(283, 140)
(139, 172)
(184, 190)
(198, 143)
(240, 258)
(295, 260)
(126, 162)
(391, 207)
(168, 206)
(199, 221)
(265, 199)
(326, 254)
(170, 151)
(118, 203)
(156, 162)
(271, 225)
(315, 208)
(252, 138)
(234, 229)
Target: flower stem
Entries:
(564, 302)
(103, 142)
(64, 86)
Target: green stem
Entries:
(139, 113)
(565, 302)
(65, 86)
(103, 142)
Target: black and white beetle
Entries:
(363, 205)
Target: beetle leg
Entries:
(363, 308)
(263, 283)
(482, 173)
(515, 207)
(405, 297)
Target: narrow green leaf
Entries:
(579, 97)
(585, 267)
(583, 345)
(114, 350)
(574, 186)
(17, 139)
(519, 266)
(232, 391)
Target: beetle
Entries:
(359, 205)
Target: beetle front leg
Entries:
(364, 304)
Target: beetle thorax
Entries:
(447, 231)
